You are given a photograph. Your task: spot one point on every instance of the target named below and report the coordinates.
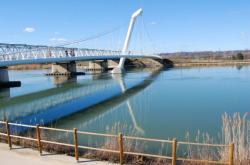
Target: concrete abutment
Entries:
(4, 79)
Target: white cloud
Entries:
(243, 35)
(29, 29)
(153, 23)
(57, 39)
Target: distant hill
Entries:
(229, 55)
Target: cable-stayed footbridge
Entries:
(64, 58)
(17, 54)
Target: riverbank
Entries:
(29, 156)
(130, 63)
(178, 62)
(131, 150)
(30, 67)
(150, 63)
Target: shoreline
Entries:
(129, 154)
(141, 63)
(197, 63)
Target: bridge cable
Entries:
(99, 35)
(70, 43)
(148, 34)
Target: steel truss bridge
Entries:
(16, 54)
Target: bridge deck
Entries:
(4, 63)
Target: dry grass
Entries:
(202, 152)
(30, 67)
(129, 146)
(234, 130)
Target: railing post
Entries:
(231, 154)
(120, 140)
(38, 136)
(8, 134)
(174, 150)
(76, 144)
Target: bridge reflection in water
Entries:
(103, 116)
(48, 106)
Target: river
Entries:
(162, 104)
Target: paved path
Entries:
(27, 156)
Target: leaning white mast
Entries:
(120, 67)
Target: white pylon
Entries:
(119, 69)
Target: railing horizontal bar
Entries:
(97, 134)
(56, 129)
(98, 149)
(4, 134)
(57, 143)
(22, 137)
(147, 139)
(22, 125)
(202, 161)
(204, 144)
(2, 122)
(148, 155)
(115, 136)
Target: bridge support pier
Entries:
(65, 69)
(4, 76)
(98, 65)
(112, 64)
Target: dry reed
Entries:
(235, 129)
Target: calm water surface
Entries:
(157, 104)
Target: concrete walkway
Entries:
(27, 156)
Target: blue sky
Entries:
(174, 25)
